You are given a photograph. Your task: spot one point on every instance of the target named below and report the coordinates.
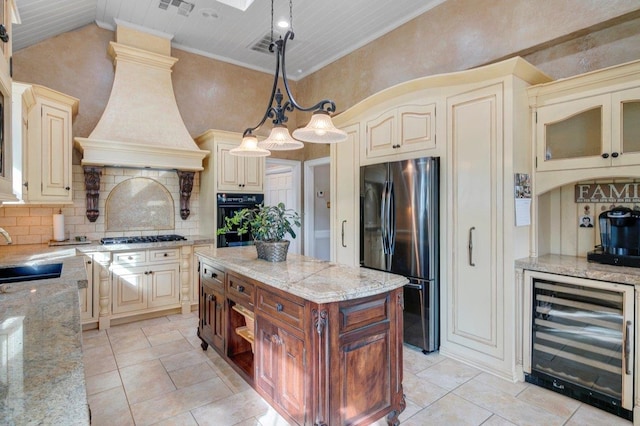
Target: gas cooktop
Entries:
(142, 239)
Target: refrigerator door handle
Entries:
(383, 218)
(391, 214)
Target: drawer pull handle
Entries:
(279, 307)
(166, 254)
(214, 275)
(146, 272)
(241, 288)
(130, 258)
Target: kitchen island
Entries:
(321, 342)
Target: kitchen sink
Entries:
(13, 274)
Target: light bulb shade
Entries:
(249, 148)
(320, 130)
(280, 140)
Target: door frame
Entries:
(309, 200)
(296, 169)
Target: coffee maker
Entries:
(619, 238)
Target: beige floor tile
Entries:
(506, 405)
(98, 360)
(110, 408)
(125, 359)
(173, 403)
(162, 338)
(232, 379)
(415, 361)
(136, 325)
(102, 382)
(420, 392)
(184, 419)
(587, 415)
(449, 410)
(94, 338)
(449, 374)
(145, 380)
(192, 374)
(501, 384)
(193, 316)
(252, 422)
(184, 359)
(496, 420)
(269, 418)
(231, 410)
(408, 412)
(128, 340)
(552, 402)
(170, 326)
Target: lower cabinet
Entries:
(334, 363)
(88, 308)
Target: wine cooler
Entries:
(580, 339)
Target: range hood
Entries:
(141, 125)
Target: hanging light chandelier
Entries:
(320, 128)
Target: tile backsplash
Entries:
(33, 223)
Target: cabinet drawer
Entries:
(240, 289)
(212, 276)
(163, 255)
(130, 257)
(361, 313)
(280, 308)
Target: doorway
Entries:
(283, 184)
(317, 213)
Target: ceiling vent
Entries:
(184, 8)
(263, 43)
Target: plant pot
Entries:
(272, 251)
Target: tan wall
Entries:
(562, 37)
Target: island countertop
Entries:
(316, 280)
(42, 344)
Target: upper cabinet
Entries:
(399, 130)
(588, 121)
(44, 137)
(8, 16)
(238, 174)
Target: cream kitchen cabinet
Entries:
(409, 128)
(345, 197)
(486, 122)
(588, 121)
(145, 280)
(8, 16)
(238, 174)
(47, 146)
(88, 303)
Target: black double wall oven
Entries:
(227, 206)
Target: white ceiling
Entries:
(325, 30)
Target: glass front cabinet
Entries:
(577, 126)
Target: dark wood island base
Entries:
(329, 363)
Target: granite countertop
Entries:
(316, 280)
(579, 267)
(43, 373)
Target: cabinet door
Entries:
(291, 368)
(417, 127)
(382, 135)
(163, 284)
(574, 134)
(86, 294)
(228, 168)
(266, 357)
(625, 138)
(253, 174)
(56, 151)
(345, 196)
(129, 289)
(475, 291)
(212, 317)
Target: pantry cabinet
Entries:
(142, 280)
(400, 130)
(345, 197)
(8, 17)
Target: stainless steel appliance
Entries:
(580, 339)
(227, 206)
(399, 233)
(619, 238)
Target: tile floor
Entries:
(154, 372)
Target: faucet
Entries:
(6, 236)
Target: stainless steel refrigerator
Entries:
(399, 233)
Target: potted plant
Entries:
(268, 226)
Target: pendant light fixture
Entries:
(319, 130)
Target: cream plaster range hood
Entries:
(141, 125)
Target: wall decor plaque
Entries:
(628, 192)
